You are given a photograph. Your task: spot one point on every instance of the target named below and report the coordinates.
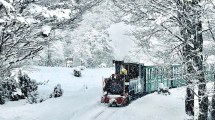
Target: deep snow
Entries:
(81, 100)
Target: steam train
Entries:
(142, 79)
(120, 89)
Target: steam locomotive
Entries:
(120, 89)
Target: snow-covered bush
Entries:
(2, 98)
(29, 88)
(163, 89)
(58, 92)
(13, 90)
(77, 72)
(7, 88)
(34, 97)
(27, 85)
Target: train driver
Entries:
(123, 71)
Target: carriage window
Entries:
(154, 73)
(150, 74)
(141, 71)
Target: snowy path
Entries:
(79, 103)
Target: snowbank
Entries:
(81, 100)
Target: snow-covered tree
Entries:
(177, 25)
(26, 25)
(90, 42)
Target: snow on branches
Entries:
(26, 25)
(7, 5)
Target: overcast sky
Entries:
(121, 43)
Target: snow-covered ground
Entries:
(81, 100)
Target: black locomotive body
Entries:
(119, 89)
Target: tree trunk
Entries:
(186, 33)
(189, 71)
(189, 102)
(198, 62)
(214, 82)
(192, 56)
(213, 108)
(213, 103)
